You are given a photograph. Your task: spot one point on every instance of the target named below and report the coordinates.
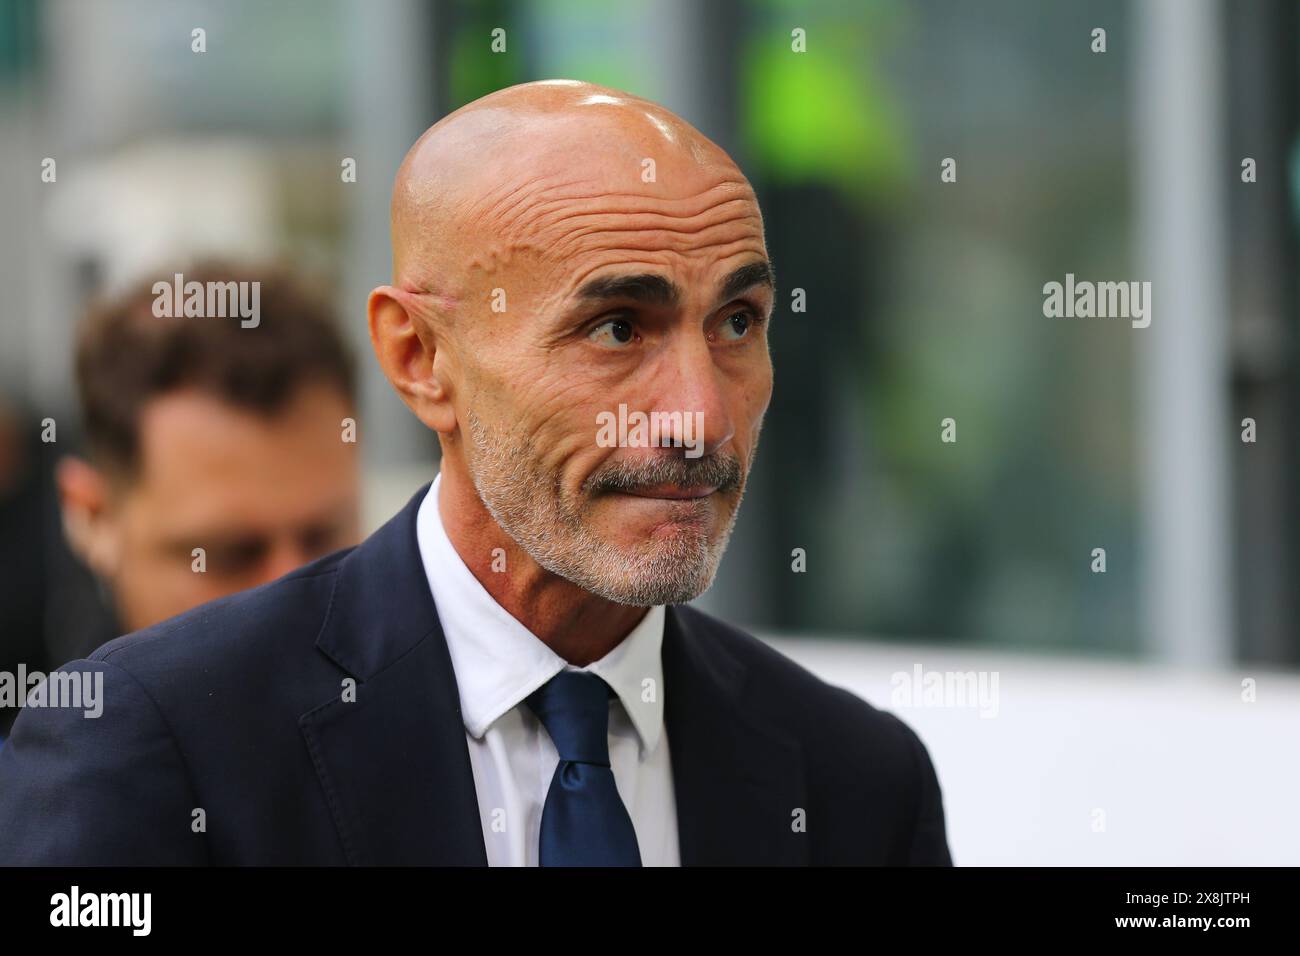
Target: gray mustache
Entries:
(630, 476)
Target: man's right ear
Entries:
(408, 351)
(87, 522)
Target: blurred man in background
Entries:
(219, 453)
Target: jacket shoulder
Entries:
(236, 631)
(780, 686)
(862, 763)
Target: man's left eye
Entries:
(736, 326)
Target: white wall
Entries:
(1184, 770)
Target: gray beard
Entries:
(529, 506)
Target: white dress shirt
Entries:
(498, 663)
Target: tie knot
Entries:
(573, 706)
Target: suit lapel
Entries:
(737, 780)
(394, 764)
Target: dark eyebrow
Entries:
(649, 288)
(656, 290)
(746, 277)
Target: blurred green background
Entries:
(924, 298)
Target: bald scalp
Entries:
(474, 182)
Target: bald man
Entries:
(506, 673)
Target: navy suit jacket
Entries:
(236, 709)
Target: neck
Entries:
(577, 625)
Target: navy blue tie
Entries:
(584, 823)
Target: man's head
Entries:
(561, 249)
(203, 433)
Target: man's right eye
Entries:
(613, 333)
(237, 558)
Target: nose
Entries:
(692, 384)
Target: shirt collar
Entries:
(499, 662)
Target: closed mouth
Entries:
(670, 492)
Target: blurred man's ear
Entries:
(408, 353)
(87, 522)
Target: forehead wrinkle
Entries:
(647, 220)
(628, 203)
(557, 226)
(504, 204)
(555, 201)
(660, 233)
